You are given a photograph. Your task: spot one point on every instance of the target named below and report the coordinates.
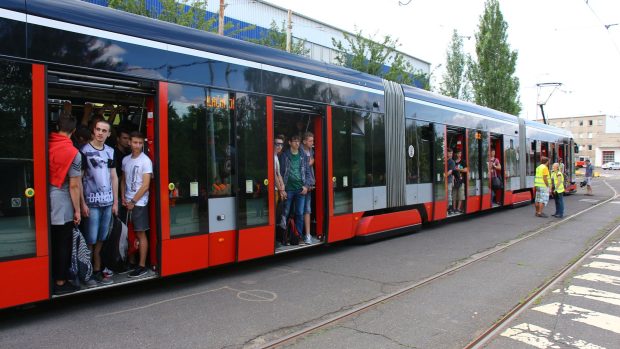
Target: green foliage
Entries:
(368, 55)
(187, 13)
(276, 38)
(491, 75)
(455, 82)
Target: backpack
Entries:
(81, 268)
(114, 250)
(293, 235)
(458, 180)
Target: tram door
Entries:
(24, 254)
(477, 162)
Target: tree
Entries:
(455, 82)
(276, 38)
(369, 56)
(491, 75)
(187, 13)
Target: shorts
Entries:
(450, 185)
(588, 180)
(99, 219)
(140, 218)
(542, 195)
(308, 203)
(458, 194)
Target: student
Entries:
(541, 182)
(122, 149)
(557, 185)
(460, 180)
(65, 190)
(100, 194)
(589, 173)
(137, 172)
(450, 176)
(308, 151)
(296, 178)
(494, 168)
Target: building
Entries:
(598, 136)
(317, 35)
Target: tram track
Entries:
(497, 326)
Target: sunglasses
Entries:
(279, 144)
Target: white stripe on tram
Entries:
(602, 265)
(596, 277)
(594, 294)
(79, 29)
(586, 316)
(539, 337)
(613, 257)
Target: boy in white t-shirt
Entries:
(137, 172)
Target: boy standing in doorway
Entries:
(308, 149)
(137, 172)
(100, 193)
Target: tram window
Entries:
(341, 158)
(411, 153)
(378, 149)
(484, 155)
(511, 156)
(17, 226)
(531, 161)
(425, 136)
(251, 112)
(220, 143)
(473, 174)
(361, 149)
(187, 159)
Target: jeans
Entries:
(559, 204)
(98, 224)
(299, 200)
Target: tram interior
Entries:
(125, 111)
(288, 124)
(456, 142)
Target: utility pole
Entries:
(289, 31)
(220, 24)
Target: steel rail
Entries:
(375, 302)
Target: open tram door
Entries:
(477, 192)
(457, 141)
(497, 148)
(292, 120)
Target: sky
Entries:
(558, 41)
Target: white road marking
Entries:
(608, 279)
(589, 200)
(538, 337)
(586, 316)
(613, 257)
(614, 202)
(613, 248)
(602, 265)
(594, 294)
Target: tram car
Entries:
(211, 107)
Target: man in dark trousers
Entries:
(65, 190)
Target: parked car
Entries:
(611, 166)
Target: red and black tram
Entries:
(210, 107)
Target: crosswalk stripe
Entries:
(613, 248)
(589, 200)
(539, 337)
(594, 294)
(606, 266)
(608, 279)
(613, 257)
(586, 316)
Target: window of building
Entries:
(600, 122)
(574, 123)
(589, 146)
(581, 123)
(608, 156)
(590, 122)
(590, 135)
(582, 135)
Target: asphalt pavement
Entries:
(246, 305)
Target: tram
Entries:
(210, 107)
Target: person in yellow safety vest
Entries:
(557, 184)
(541, 182)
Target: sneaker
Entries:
(101, 278)
(107, 272)
(66, 288)
(307, 240)
(90, 283)
(139, 271)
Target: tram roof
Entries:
(548, 128)
(99, 17)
